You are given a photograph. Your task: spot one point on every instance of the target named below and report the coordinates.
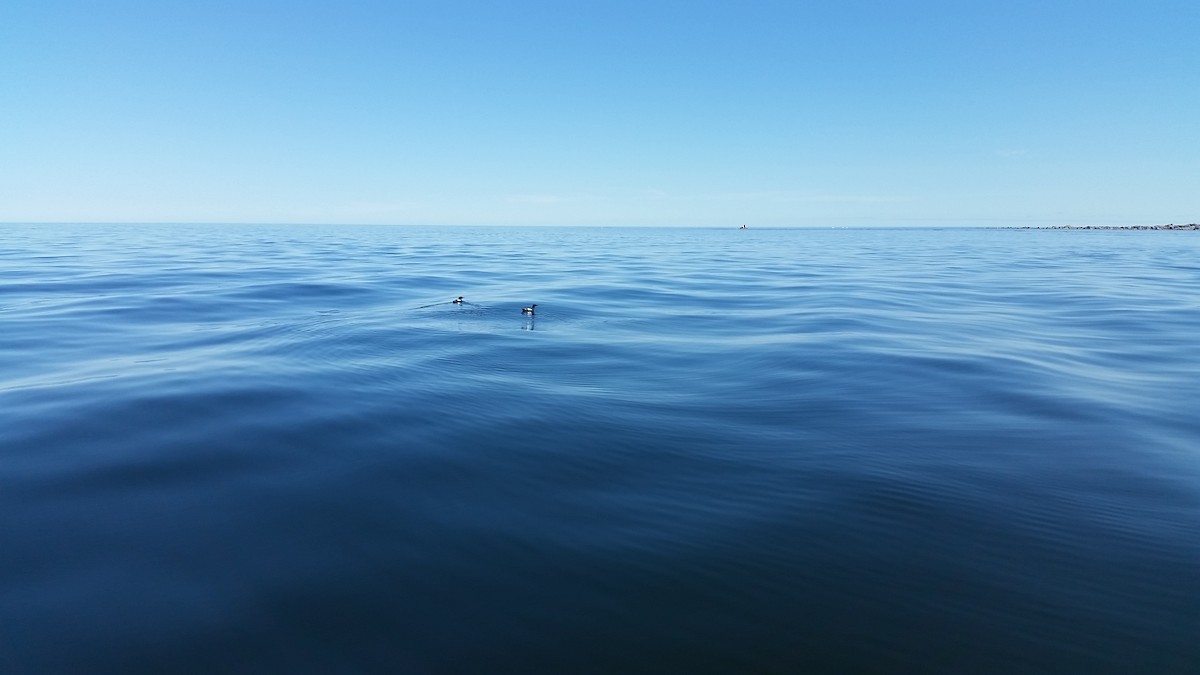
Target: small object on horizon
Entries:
(458, 300)
(743, 228)
(529, 310)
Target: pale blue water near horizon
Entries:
(249, 449)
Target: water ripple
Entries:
(264, 448)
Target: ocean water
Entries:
(251, 449)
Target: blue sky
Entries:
(601, 112)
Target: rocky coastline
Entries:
(1172, 226)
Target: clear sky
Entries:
(601, 112)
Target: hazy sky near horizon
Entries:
(601, 113)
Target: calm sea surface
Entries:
(253, 449)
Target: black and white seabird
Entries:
(458, 300)
(529, 310)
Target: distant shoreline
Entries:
(1172, 226)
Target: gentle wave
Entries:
(248, 448)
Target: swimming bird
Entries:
(458, 300)
(529, 310)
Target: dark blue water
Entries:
(249, 449)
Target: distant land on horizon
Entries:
(1171, 226)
